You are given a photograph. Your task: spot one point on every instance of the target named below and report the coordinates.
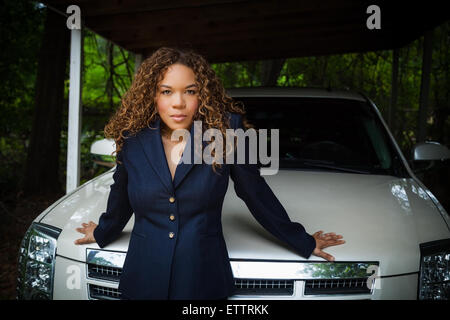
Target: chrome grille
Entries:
(264, 287)
(103, 293)
(337, 286)
(104, 273)
(254, 277)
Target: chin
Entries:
(179, 126)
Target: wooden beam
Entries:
(237, 27)
(252, 34)
(254, 49)
(94, 8)
(226, 12)
(200, 8)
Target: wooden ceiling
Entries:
(238, 30)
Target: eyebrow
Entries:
(189, 86)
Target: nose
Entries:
(178, 101)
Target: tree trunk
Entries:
(394, 91)
(270, 71)
(425, 85)
(41, 173)
(110, 70)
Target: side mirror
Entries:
(429, 150)
(425, 154)
(102, 151)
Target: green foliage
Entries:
(21, 27)
(107, 73)
(239, 74)
(106, 76)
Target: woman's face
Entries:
(177, 97)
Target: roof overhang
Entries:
(237, 30)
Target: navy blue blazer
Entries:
(184, 256)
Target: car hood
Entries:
(382, 218)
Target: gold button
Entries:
(171, 235)
(172, 217)
(172, 199)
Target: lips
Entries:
(178, 117)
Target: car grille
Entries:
(103, 293)
(264, 287)
(268, 287)
(337, 286)
(244, 287)
(252, 277)
(104, 273)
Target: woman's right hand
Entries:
(88, 231)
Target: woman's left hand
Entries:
(326, 240)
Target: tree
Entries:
(41, 173)
(271, 71)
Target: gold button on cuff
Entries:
(172, 199)
(171, 234)
(172, 217)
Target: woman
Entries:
(177, 249)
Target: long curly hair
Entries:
(138, 105)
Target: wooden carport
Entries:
(238, 30)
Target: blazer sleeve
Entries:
(118, 210)
(251, 187)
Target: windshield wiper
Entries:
(330, 165)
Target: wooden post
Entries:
(425, 85)
(137, 62)
(74, 126)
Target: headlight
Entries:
(37, 262)
(434, 280)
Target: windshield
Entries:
(326, 134)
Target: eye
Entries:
(165, 92)
(191, 91)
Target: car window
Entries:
(325, 134)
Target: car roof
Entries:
(304, 92)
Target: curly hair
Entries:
(138, 105)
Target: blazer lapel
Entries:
(150, 139)
(184, 168)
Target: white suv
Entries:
(340, 170)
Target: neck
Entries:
(166, 132)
